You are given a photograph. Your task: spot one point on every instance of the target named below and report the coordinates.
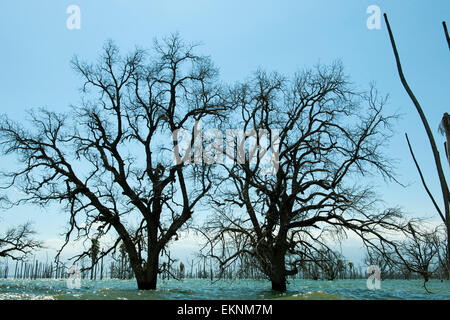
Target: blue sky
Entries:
(240, 36)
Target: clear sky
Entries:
(240, 36)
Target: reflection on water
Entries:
(199, 289)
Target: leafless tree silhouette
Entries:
(420, 252)
(109, 160)
(18, 242)
(329, 137)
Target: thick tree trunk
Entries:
(278, 276)
(147, 280)
(279, 282)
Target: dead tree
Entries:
(110, 160)
(94, 251)
(444, 128)
(18, 242)
(419, 254)
(445, 213)
(309, 188)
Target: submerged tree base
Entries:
(146, 285)
(277, 286)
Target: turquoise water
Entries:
(200, 289)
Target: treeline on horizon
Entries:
(118, 267)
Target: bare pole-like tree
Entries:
(444, 129)
(110, 160)
(329, 137)
(445, 213)
(444, 25)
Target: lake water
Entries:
(200, 289)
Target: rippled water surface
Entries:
(199, 289)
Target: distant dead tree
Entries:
(419, 254)
(329, 137)
(18, 242)
(181, 271)
(109, 161)
(94, 251)
(445, 213)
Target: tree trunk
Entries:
(278, 276)
(147, 282)
(446, 126)
(148, 278)
(278, 282)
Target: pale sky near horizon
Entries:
(240, 36)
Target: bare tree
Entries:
(109, 161)
(445, 213)
(18, 242)
(329, 137)
(419, 253)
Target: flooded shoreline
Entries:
(201, 289)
